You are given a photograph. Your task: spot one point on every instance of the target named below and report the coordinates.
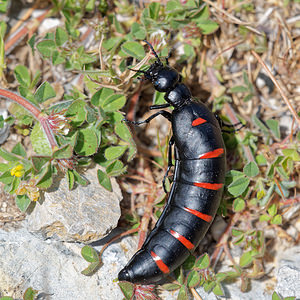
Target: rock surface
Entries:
(84, 214)
(53, 268)
(288, 273)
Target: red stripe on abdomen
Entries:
(198, 214)
(209, 186)
(212, 154)
(182, 239)
(161, 265)
(198, 121)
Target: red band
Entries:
(198, 214)
(161, 265)
(212, 154)
(198, 121)
(209, 186)
(182, 240)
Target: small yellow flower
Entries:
(30, 189)
(17, 171)
(33, 195)
(21, 190)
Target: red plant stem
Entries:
(29, 28)
(280, 189)
(292, 200)
(48, 131)
(37, 114)
(22, 101)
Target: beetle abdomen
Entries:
(193, 200)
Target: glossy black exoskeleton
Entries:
(198, 179)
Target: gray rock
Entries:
(218, 227)
(206, 296)
(53, 268)
(84, 214)
(288, 273)
(291, 212)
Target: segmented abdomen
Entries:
(193, 200)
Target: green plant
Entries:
(85, 127)
(89, 126)
(91, 256)
(275, 296)
(29, 294)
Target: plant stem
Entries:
(22, 101)
(195, 294)
(35, 112)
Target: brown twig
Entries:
(128, 232)
(146, 151)
(133, 103)
(26, 16)
(147, 212)
(286, 100)
(139, 178)
(29, 28)
(195, 294)
(279, 187)
(231, 17)
(228, 48)
(102, 65)
(222, 241)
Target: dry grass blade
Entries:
(232, 18)
(286, 100)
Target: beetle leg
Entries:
(222, 124)
(170, 165)
(158, 106)
(169, 55)
(164, 113)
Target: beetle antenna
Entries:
(138, 71)
(152, 49)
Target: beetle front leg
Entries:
(164, 113)
(158, 106)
